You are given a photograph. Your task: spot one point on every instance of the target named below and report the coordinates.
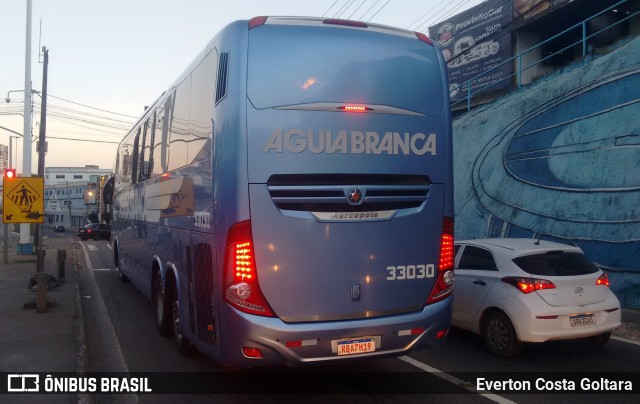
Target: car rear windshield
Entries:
(293, 65)
(556, 263)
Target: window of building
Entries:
(77, 177)
(60, 176)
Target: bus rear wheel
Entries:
(182, 343)
(163, 313)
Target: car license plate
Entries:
(582, 319)
(352, 346)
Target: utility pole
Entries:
(25, 229)
(42, 149)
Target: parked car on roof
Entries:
(512, 291)
(95, 231)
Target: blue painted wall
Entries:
(560, 159)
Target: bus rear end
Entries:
(347, 251)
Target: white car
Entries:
(524, 290)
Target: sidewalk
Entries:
(52, 341)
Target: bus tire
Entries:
(123, 277)
(163, 310)
(182, 343)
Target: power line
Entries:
(367, 12)
(380, 9)
(330, 7)
(451, 12)
(356, 10)
(344, 8)
(97, 109)
(437, 11)
(82, 140)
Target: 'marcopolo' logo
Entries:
(355, 196)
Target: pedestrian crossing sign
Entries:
(23, 201)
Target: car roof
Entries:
(519, 246)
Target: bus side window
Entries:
(146, 161)
(202, 99)
(161, 137)
(179, 126)
(124, 162)
(135, 157)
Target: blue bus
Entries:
(289, 199)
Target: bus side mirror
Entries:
(107, 192)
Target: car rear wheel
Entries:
(499, 335)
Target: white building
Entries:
(71, 194)
(64, 175)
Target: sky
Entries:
(108, 59)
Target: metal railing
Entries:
(519, 69)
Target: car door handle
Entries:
(479, 282)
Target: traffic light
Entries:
(9, 173)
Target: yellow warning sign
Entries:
(22, 200)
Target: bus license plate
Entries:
(356, 346)
(582, 319)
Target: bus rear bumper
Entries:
(252, 341)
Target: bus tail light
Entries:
(346, 23)
(445, 278)
(424, 38)
(242, 290)
(257, 21)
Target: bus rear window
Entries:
(293, 65)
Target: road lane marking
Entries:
(92, 247)
(452, 379)
(623, 339)
(86, 256)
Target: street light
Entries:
(8, 99)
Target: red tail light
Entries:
(603, 280)
(445, 279)
(354, 108)
(528, 285)
(348, 23)
(424, 38)
(241, 278)
(257, 21)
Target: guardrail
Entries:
(519, 69)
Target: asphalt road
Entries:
(121, 336)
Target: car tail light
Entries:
(603, 280)
(445, 278)
(241, 278)
(88, 230)
(528, 285)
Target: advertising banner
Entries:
(475, 42)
